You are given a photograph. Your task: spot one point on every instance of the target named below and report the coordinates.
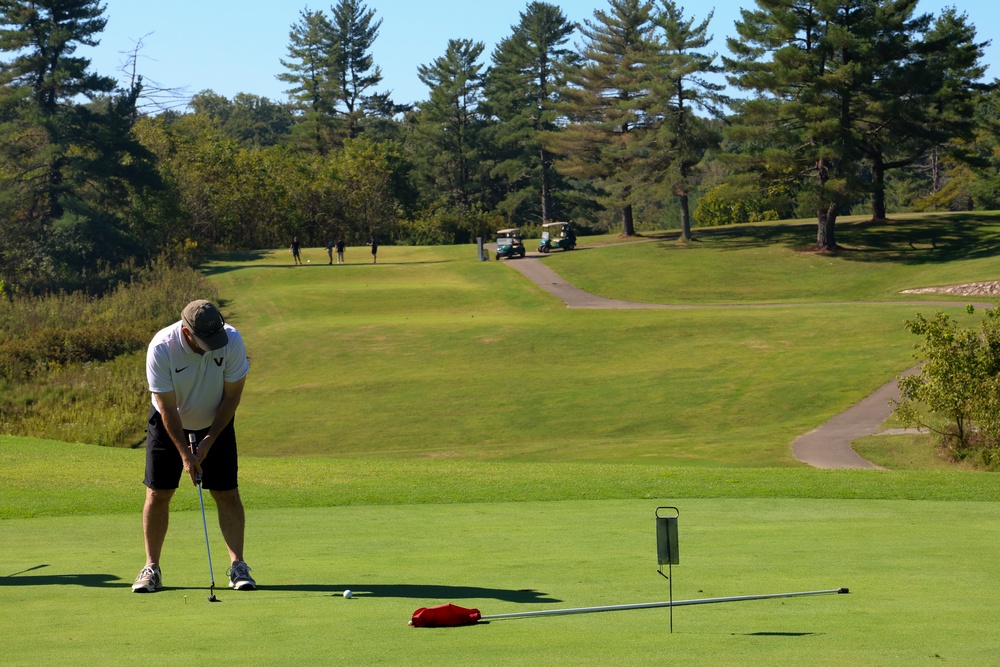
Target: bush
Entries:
(958, 385)
(725, 205)
(71, 365)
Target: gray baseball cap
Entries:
(206, 323)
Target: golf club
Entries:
(650, 605)
(204, 523)
(37, 567)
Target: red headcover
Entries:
(444, 616)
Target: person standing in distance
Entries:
(196, 369)
(295, 249)
(340, 250)
(374, 244)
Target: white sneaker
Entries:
(239, 577)
(149, 580)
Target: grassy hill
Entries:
(434, 429)
(431, 354)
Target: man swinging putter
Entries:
(196, 369)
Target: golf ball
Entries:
(348, 593)
(308, 261)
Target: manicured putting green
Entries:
(922, 574)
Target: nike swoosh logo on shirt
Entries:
(178, 370)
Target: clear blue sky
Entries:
(234, 46)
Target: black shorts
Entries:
(164, 466)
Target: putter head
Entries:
(212, 598)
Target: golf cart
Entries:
(557, 235)
(509, 243)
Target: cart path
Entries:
(827, 446)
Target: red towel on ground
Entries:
(444, 616)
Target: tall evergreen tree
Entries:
(67, 166)
(522, 90)
(679, 87)
(357, 74)
(448, 127)
(924, 94)
(808, 64)
(604, 106)
(312, 72)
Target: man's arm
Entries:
(232, 392)
(166, 405)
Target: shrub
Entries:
(71, 364)
(958, 385)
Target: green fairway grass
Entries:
(774, 263)
(430, 354)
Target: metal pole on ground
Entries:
(652, 605)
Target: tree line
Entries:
(620, 123)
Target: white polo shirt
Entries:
(196, 379)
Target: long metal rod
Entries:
(650, 605)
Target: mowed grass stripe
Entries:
(44, 478)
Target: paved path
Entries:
(827, 446)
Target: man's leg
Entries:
(155, 519)
(232, 521)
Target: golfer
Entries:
(196, 369)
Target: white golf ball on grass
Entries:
(348, 594)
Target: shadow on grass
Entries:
(87, 580)
(219, 270)
(914, 241)
(419, 592)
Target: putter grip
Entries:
(193, 443)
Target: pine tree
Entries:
(448, 126)
(354, 33)
(312, 72)
(678, 88)
(604, 104)
(43, 36)
(923, 98)
(522, 90)
(68, 161)
(808, 64)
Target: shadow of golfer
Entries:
(419, 592)
(88, 580)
